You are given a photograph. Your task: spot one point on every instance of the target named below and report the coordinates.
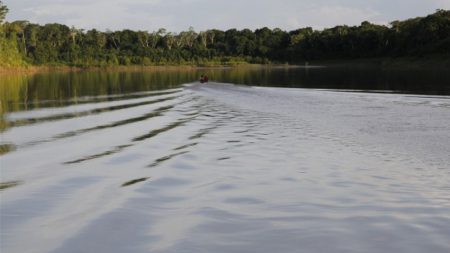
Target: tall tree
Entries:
(3, 11)
(19, 29)
(56, 43)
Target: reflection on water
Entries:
(25, 92)
(27, 121)
(134, 181)
(5, 148)
(57, 89)
(419, 81)
(4, 185)
(138, 162)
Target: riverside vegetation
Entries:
(23, 44)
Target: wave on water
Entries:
(226, 168)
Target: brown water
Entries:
(156, 162)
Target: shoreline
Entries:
(47, 68)
(403, 63)
(134, 68)
(438, 62)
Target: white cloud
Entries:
(445, 4)
(329, 16)
(177, 15)
(87, 14)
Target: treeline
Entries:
(62, 45)
(9, 53)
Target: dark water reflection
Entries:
(26, 92)
(156, 162)
(419, 81)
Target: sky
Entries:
(179, 15)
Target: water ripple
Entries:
(93, 99)
(29, 121)
(156, 113)
(222, 168)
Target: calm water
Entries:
(156, 162)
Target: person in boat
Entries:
(204, 79)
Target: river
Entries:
(324, 160)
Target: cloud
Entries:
(442, 4)
(177, 15)
(335, 15)
(100, 14)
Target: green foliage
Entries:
(9, 53)
(58, 44)
(3, 12)
(9, 47)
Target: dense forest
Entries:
(24, 43)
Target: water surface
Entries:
(156, 162)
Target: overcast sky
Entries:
(178, 15)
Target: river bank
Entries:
(62, 68)
(407, 63)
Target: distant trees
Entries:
(420, 36)
(412, 37)
(3, 11)
(9, 36)
(60, 44)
